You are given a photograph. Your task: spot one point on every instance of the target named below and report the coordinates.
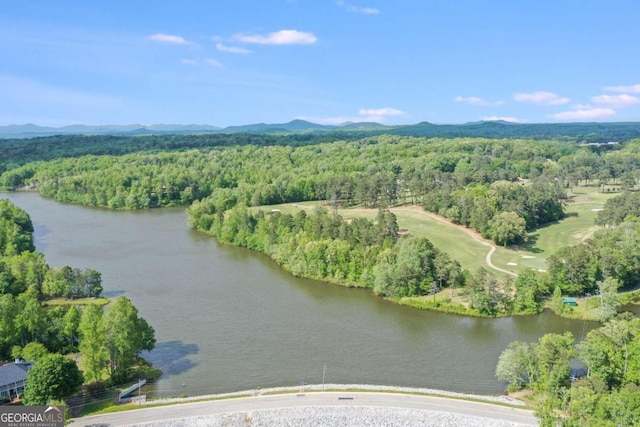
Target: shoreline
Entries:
(319, 388)
(445, 306)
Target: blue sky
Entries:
(232, 62)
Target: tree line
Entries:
(108, 340)
(323, 246)
(365, 253)
(457, 178)
(17, 152)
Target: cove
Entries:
(229, 319)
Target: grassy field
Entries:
(576, 227)
(460, 246)
(579, 225)
(80, 301)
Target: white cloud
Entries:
(168, 38)
(630, 89)
(541, 98)
(381, 112)
(502, 118)
(355, 9)
(232, 49)
(584, 113)
(474, 100)
(364, 10)
(281, 37)
(364, 115)
(202, 61)
(616, 101)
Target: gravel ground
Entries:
(340, 415)
(335, 417)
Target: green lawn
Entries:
(579, 225)
(80, 301)
(458, 244)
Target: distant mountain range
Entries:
(35, 130)
(31, 130)
(589, 132)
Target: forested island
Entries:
(323, 207)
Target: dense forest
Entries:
(607, 394)
(468, 180)
(16, 152)
(501, 188)
(107, 340)
(579, 132)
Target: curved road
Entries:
(164, 414)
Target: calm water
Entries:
(228, 319)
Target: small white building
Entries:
(13, 379)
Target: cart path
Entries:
(473, 234)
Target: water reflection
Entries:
(172, 357)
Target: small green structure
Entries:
(570, 302)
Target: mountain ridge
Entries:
(588, 131)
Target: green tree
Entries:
(528, 292)
(554, 351)
(610, 352)
(557, 304)
(609, 299)
(517, 365)
(507, 227)
(126, 335)
(34, 351)
(488, 295)
(414, 271)
(622, 407)
(52, 378)
(30, 320)
(93, 343)
(71, 322)
(8, 332)
(582, 404)
(91, 283)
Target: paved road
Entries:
(254, 404)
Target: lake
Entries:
(229, 319)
